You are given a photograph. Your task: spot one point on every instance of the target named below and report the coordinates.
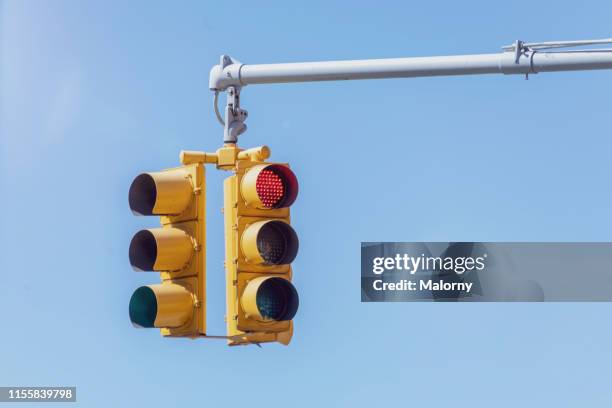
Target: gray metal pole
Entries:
(520, 59)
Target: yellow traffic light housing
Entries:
(177, 306)
(260, 246)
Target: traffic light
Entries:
(176, 249)
(260, 246)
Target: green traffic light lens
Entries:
(143, 307)
(277, 300)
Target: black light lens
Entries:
(277, 243)
(277, 299)
(142, 195)
(143, 251)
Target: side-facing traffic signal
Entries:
(177, 306)
(260, 246)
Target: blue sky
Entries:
(93, 94)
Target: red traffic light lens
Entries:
(270, 188)
(276, 186)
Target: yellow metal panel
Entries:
(174, 304)
(260, 153)
(194, 174)
(174, 191)
(285, 336)
(195, 325)
(248, 243)
(226, 156)
(190, 157)
(193, 275)
(195, 263)
(174, 248)
(231, 254)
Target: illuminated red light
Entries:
(270, 188)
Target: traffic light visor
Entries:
(166, 192)
(269, 186)
(270, 242)
(270, 298)
(160, 249)
(162, 305)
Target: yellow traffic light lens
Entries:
(143, 307)
(277, 300)
(277, 243)
(270, 298)
(269, 186)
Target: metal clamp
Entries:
(225, 74)
(235, 116)
(547, 45)
(522, 49)
(226, 77)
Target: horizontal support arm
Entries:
(527, 61)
